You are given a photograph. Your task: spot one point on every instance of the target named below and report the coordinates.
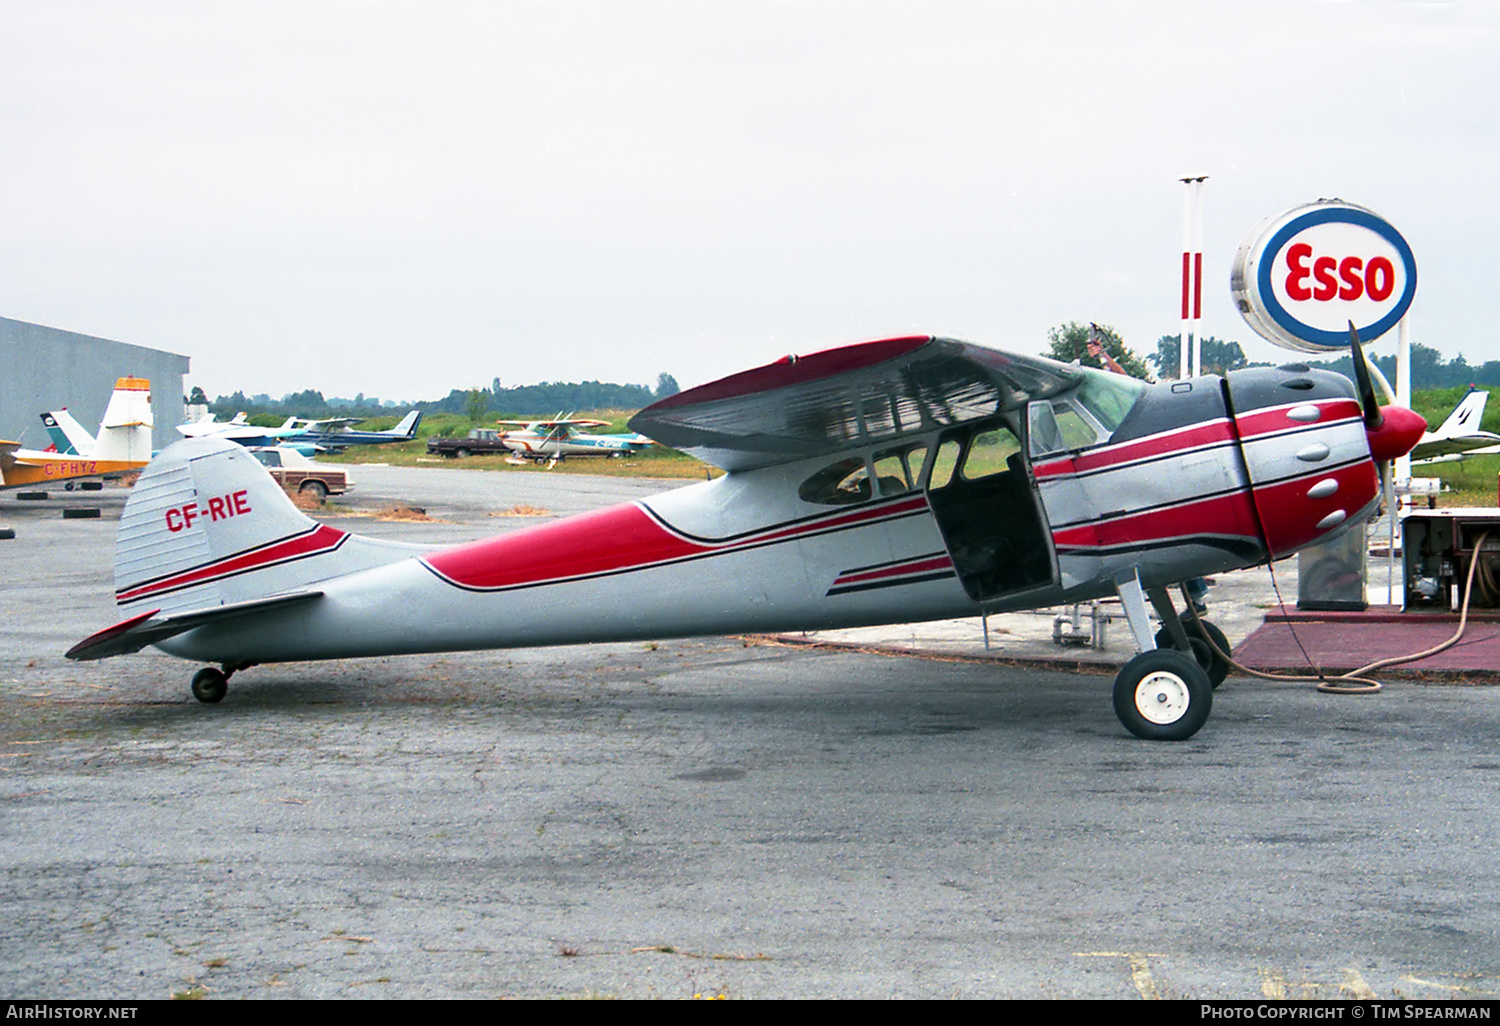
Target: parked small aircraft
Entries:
(554, 440)
(124, 443)
(1459, 436)
(238, 430)
(906, 479)
(335, 435)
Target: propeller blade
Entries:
(1367, 401)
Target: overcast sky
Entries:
(398, 198)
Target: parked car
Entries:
(479, 442)
(296, 473)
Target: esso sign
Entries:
(1302, 276)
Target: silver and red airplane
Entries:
(891, 481)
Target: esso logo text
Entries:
(1305, 275)
(1346, 279)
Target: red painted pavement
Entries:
(1340, 642)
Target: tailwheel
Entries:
(1163, 695)
(210, 685)
(1200, 633)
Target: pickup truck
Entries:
(479, 441)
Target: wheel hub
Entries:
(1162, 697)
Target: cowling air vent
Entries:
(1299, 384)
(1295, 368)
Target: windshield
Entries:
(1109, 397)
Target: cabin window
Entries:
(1057, 426)
(838, 484)
(898, 470)
(988, 453)
(268, 459)
(944, 463)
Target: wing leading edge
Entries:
(837, 399)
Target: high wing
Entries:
(556, 423)
(830, 401)
(328, 423)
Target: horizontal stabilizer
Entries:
(136, 633)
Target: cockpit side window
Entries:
(838, 484)
(1058, 426)
(898, 470)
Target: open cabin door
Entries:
(987, 509)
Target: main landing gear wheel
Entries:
(210, 685)
(1199, 633)
(1163, 695)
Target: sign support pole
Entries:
(1188, 356)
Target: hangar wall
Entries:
(45, 368)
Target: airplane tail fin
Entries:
(125, 431)
(70, 437)
(408, 426)
(206, 526)
(1465, 418)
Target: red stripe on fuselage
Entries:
(935, 563)
(593, 543)
(1269, 421)
(1254, 424)
(321, 539)
(619, 539)
(1171, 443)
(1222, 515)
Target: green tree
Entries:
(1070, 342)
(1214, 356)
(478, 402)
(666, 385)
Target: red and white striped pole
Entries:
(1192, 277)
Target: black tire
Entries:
(80, 512)
(91, 486)
(69, 486)
(31, 496)
(317, 489)
(7, 533)
(1163, 695)
(462, 454)
(210, 685)
(1213, 664)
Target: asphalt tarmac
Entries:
(719, 817)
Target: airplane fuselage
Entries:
(1184, 486)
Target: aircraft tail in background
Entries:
(69, 437)
(125, 431)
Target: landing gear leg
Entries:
(1199, 638)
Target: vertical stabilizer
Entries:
(68, 436)
(408, 426)
(125, 431)
(206, 526)
(1465, 418)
